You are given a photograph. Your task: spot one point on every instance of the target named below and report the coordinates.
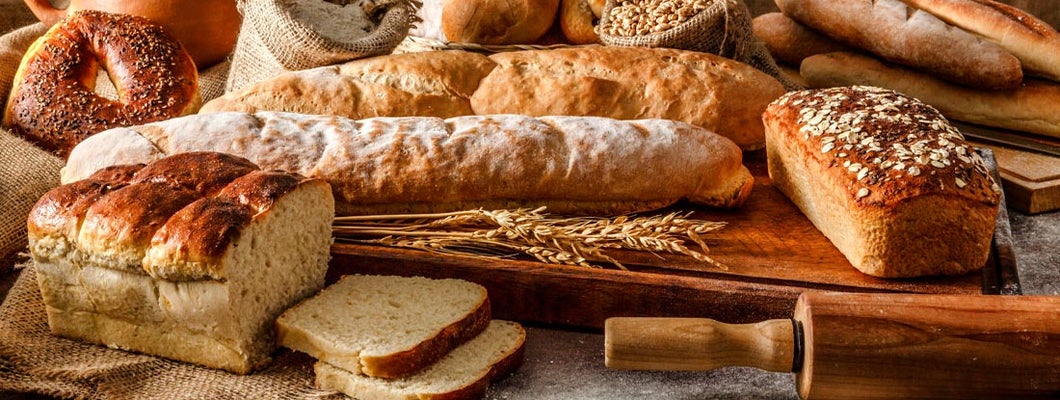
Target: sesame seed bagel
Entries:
(53, 103)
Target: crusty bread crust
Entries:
(898, 33)
(497, 22)
(790, 42)
(885, 178)
(576, 20)
(573, 165)
(1030, 108)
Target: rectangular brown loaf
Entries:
(716, 93)
(885, 177)
(575, 165)
(892, 30)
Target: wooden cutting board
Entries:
(1031, 180)
(772, 253)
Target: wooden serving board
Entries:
(771, 251)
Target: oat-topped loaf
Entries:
(885, 177)
(191, 257)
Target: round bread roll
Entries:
(497, 22)
(53, 103)
(577, 21)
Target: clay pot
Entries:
(207, 28)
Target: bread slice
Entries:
(385, 326)
(464, 373)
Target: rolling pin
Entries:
(868, 346)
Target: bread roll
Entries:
(706, 90)
(886, 178)
(789, 41)
(578, 22)
(897, 33)
(497, 22)
(1030, 108)
(436, 84)
(1033, 41)
(574, 165)
(190, 258)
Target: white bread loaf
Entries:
(575, 165)
(497, 22)
(190, 258)
(1033, 41)
(898, 33)
(886, 178)
(464, 373)
(1030, 108)
(716, 93)
(385, 326)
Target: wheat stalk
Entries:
(493, 234)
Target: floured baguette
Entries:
(1031, 108)
(464, 373)
(1033, 41)
(885, 177)
(385, 326)
(572, 165)
(898, 33)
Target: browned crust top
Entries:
(882, 146)
(55, 104)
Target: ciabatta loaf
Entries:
(191, 257)
(702, 89)
(574, 165)
(1033, 41)
(898, 33)
(385, 326)
(1033, 107)
(885, 177)
(464, 373)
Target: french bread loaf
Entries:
(1030, 108)
(1033, 41)
(436, 84)
(900, 34)
(464, 373)
(191, 257)
(575, 165)
(790, 42)
(885, 177)
(702, 89)
(385, 326)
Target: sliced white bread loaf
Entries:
(385, 326)
(464, 373)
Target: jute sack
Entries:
(271, 41)
(32, 360)
(26, 173)
(723, 28)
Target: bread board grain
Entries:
(771, 251)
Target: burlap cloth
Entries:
(271, 41)
(34, 361)
(723, 28)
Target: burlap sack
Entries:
(723, 28)
(272, 42)
(34, 361)
(14, 14)
(26, 173)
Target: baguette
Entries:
(1030, 108)
(900, 34)
(576, 165)
(1033, 41)
(885, 177)
(790, 42)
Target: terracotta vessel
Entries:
(207, 28)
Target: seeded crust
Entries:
(886, 178)
(53, 103)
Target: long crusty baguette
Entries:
(898, 33)
(790, 42)
(577, 165)
(1034, 107)
(1033, 41)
